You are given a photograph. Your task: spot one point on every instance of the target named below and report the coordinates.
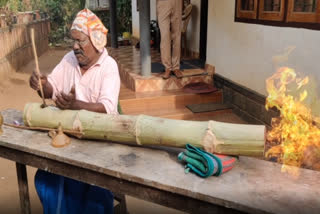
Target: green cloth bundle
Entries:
(205, 164)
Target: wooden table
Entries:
(253, 186)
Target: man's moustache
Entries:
(78, 52)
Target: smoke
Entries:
(312, 100)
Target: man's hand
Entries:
(34, 80)
(66, 101)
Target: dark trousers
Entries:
(59, 194)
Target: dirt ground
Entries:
(15, 93)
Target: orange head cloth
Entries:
(88, 23)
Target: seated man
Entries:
(86, 78)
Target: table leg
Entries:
(23, 188)
(121, 208)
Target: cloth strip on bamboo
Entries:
(205, 164)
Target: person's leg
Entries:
(176, 23)
(164, 13)
(88, 198)
(59, 194)
(47, 186)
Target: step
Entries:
(196, 116)
(184, 114)
(140, 103)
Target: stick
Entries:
(37, 67)
(75, 133)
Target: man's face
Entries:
(83, 48)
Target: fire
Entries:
(295, 137)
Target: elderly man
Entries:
(86, 78)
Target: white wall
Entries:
(243, 52)
(135, 16)
(135, 19)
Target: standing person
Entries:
(86, 78)
(169, 14)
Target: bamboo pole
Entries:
(214, 137)
(71, 132)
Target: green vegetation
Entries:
(3, 3)
(62, 12)
(124, 16)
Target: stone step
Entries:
(163, 101)
(185, 114)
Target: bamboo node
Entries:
(77, 125)
(210, 141)
(138, 130)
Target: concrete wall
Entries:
(15, 43)
(243, 52)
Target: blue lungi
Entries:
(61, 195)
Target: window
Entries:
(271, 10)
(247, 8)
(303, 11)
(291, 13)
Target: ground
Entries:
(15, 93)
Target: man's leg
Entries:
(164, 12)
(176, 23)
(59, 194)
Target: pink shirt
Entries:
(99, 84)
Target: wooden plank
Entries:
(116, 185)
(181, 114)
(253, 186)
(186, 114)
(23, 188)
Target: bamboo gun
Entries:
(213, 136)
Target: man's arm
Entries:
(95, 107)
(110, 88)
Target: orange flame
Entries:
(294, 132)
